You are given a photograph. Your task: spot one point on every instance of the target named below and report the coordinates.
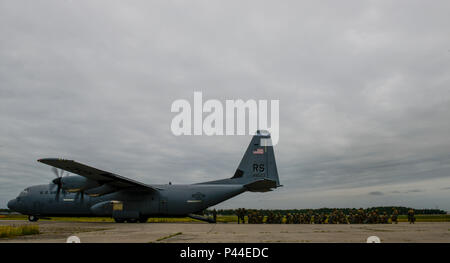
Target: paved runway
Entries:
(58, 231)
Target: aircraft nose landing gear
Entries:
(32, 218)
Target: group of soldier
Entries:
(359, 216)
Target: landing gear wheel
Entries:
(119, 220)
(32, 218)
(143, 219)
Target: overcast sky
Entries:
(364, 91)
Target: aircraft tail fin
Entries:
(258, 169)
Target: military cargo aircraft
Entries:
(96, 193)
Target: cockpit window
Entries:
(24, 192)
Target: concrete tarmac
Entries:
(108, 232)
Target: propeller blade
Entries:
(57, 192)
(57, 181)
(55, 171)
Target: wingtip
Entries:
(46, 159)
(43, 160)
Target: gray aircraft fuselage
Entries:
(172, 200)
(93, 192)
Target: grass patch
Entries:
(169, 236)
(12, 231)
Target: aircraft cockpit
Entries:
(24, 192)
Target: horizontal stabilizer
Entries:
(263, 185)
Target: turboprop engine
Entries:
(77, 183)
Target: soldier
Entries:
(351, 218)
(281, 219)
(369, 218)
(382, 217)
(385, 218)
(214, 212)
(361, 216)
(394, 217)
(288, 218)
(260, 217)
(335, 217)
(269, 217)
(331, 218)
(297, 218)
(373, 217)
(377, 217)
(316, 218)
(254, 217)
(301, 218)
(411, 217)
(309, 216)
(342, 218)
(243, 212)
(324, 218)
(338, 218)
(238, 213)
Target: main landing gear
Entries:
(131, 220)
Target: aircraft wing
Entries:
(98, 175)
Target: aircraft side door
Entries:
(163, 205)
(38, 207)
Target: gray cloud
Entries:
(376, 193)
(414, 191)
(363, 90)
(407, 191)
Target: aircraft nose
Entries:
(12, 204)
